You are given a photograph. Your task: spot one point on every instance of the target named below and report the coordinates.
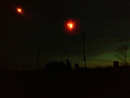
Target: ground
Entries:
(96, 83)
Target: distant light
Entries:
(71, 25)
(19, 10)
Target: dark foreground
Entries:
(96, 83)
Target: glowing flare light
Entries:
(19, 10)
(70, 25)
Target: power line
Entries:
(100, 35)
(115, 34)
(100, 60)
(79, 38)
(77, 60)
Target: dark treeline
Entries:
(60, 68)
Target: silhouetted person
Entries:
(63, 67)
(62, 64)
(116, 64)
(77, 66)
(68, 65)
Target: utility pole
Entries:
(38, 57)
(6, 62)
(84, 49)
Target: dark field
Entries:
(89, 83)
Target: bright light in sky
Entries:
(19, 10)
(70, 25)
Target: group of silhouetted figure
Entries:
(60, 67)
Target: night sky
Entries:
(104, 23)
